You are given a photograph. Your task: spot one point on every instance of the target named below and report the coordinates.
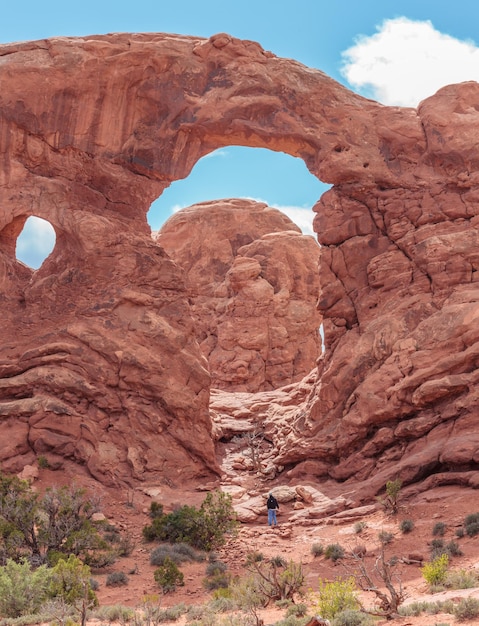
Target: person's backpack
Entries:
(272, 504)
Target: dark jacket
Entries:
(272, 503)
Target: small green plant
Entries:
(461, 579)
(336, 596)
(317, 549)
(435, 571)
(334, 551)
(466, 609)
(168, 576)
(177, 552)
(297, 610)
(43, 462)
(391, 501)
(439, 529)
(116, 579)
(453, 549)
(406, 526)
(352, 617)
(359, 527)
(471, 524)
(385, 537)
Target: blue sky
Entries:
(397, 52)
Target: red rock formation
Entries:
(253, 285)
(99, 360)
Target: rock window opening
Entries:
(35, 242)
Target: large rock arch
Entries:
(93, 129)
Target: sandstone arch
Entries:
(93, 129)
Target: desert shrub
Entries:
(435, 571)
(359, 527)
(43, 462)
(279, 561)
(317, 549)
(439, 529)
(156, 510)
(461, 579)
(460, 532)
(391, 501)
(44, 528)
(116, 579)
(217, 567)
(168, 576)
(70, 581)
(216, 581)
(334, 551)
(22, 590)
(336, 596)
(471, 524)
(298, 610)
(438, 548)
(466, 609)
(406, 526)
(292, 620)
(453, 549)
(274, 582)
(204, 528)
(222, 601)
(385, 537)
(177, 552)
(352, 617)
(114, 613)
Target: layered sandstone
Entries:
(99, 359)
(252, 279)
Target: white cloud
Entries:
(301, 217)
(407, 61)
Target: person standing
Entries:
(272, 506)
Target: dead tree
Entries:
(391, 595)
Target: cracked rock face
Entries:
(253, 282)
(99, 360)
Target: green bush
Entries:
(336, 596)
(22, 590)
(334, 551)
(439, 529)
(44, 528)
(114, 613)
(461, 579)
(359, 527)
(385, 537)
(297, 610)
(168, 576)
(116, 579)
(70, 581)
(204, 528)
(406, 526)
(217, 567)
(221, 580)
(435, 571)
(351, 617)
(471, 524)
(177, 552)
(466, 609)
(317, 549)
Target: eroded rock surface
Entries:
(99, 359)
(252, 278)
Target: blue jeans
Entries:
(272, 517)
